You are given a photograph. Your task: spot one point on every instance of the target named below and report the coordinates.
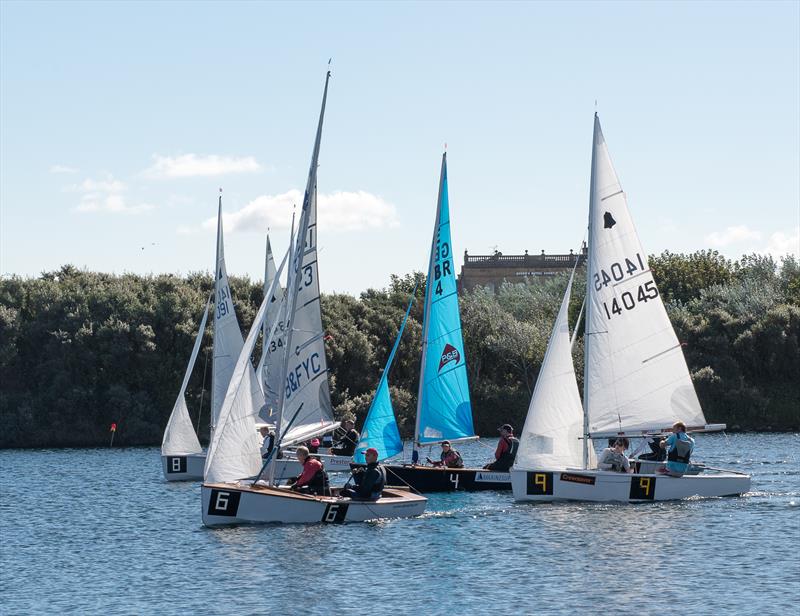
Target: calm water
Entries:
(99, 531)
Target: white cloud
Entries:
(782, 244)
(62, 169)
(338, 211)
(732, 235)
(105, 196)
(192, 165)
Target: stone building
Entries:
(493, 270)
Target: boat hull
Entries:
(606, 486)
(290, 467)
(224, 505)
(183, 468)
(438, 479)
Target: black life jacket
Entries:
(380, 483)
(513, 446)
(681, 451)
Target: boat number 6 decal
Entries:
(335, 513)
(224, 503)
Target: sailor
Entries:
(268, 441)
(449, 457)
(679, 446)
(347, 446)
(614, 458)
(506, 450)
(369, 481)
(313, 479)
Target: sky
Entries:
(120, 122)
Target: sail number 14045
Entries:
(629, 299)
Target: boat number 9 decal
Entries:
(454, 480)
(335, 513)
(540, 484)
(643, 488)
(176, 464)
(224, 503)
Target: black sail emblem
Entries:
(608, 220)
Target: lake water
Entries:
(99, 531)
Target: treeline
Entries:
(81, 350)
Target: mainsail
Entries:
(234, 451)
(443, 407)
(636, 377)
(227, 337)
(380, 427)
(305, 402)
(180, 437)
(553, 428)
(269, 367)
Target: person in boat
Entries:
(449, 457)
(347, 446)
(679, 446)
(506, 451)
(614, 458)
(268, 441)
(313, 479)
(369, 481)
(657, 453)
(313, 445)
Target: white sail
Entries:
(636, 375)
(305, 408)
(234, 451)
(227, 337)
(179, 436)
(551, 436)
(269, 367)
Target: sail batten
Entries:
(444, 410)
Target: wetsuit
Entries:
(369, 483)
(347, 446)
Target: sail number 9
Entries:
(629, 299)
(223, 307)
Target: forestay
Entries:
(234, 451)
(380, 427)
(180, 437)
(636, 375)
(443, 408)
(227, 337)
(551, 436)
(305, 409)
(269, 367)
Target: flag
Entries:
(113, 427)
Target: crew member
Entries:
(347, 446)
(268, 441)
(369, 481)
(614, 458)
(506, 450)
(449, 457)
(679, 446)
(313, 479)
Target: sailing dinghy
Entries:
(444, 411)
(233, 492)
(636, 380)
(179, 465)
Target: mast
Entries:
(586, 333)
(427, 305)
(216, 299)
(297, 263)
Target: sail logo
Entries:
(450, 354)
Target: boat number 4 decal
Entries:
(224, 503)
(176, 464)
(335, 513)
(454, 480)
(540, 484)
(643, 488)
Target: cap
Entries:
(371, 450)
(506, 427)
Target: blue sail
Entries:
(443, 408)
(380, 427)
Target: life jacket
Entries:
(380, 483)
(513, 446)
(458, 462)
(681, 451)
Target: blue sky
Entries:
(120, 121)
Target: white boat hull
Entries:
(226, 504)
(607, 486)
(183, 468)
